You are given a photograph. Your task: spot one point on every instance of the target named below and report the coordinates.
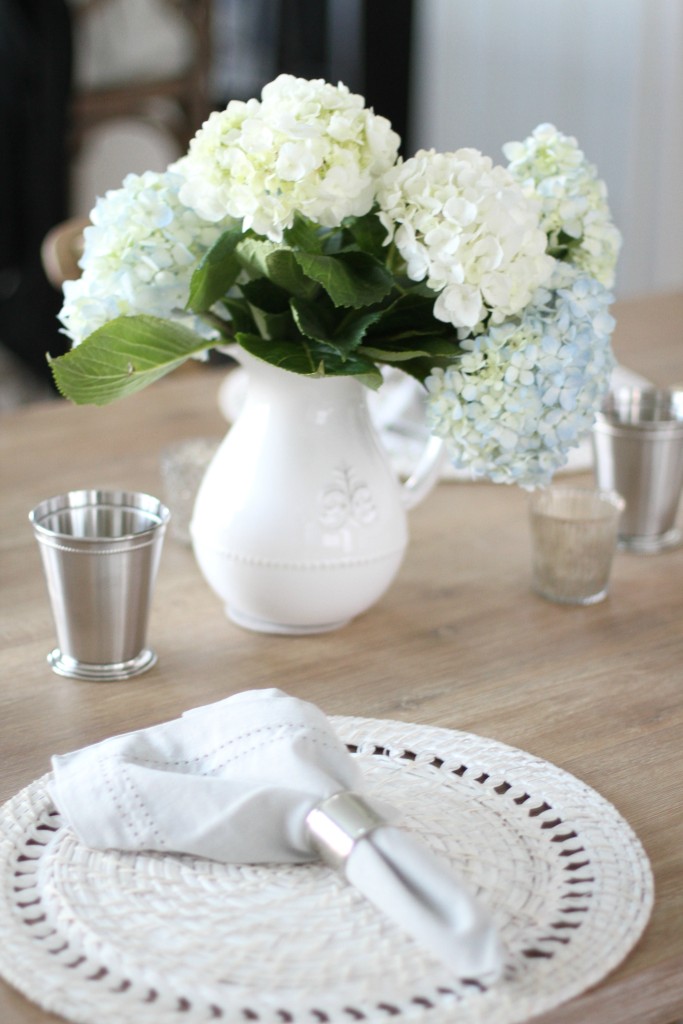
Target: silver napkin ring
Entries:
(338, 823)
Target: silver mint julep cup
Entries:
(100, 552)
(638, 450)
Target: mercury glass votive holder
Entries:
(573, 539)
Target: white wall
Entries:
(609, 72)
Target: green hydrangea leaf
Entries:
(368, 233)
(321, 321)
(353, 279)
(241, 316)
(216, 273)
(310, 358)
(304, 234)
(265, 295)
(433, 348)
(410, 315)
(276, 263)
(124, 356)
(275, 326)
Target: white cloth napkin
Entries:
(234, 782)
(398, 413)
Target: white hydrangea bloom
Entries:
(524, 393)
(573, 199)
(139, 255)
(306, 146)
(466, 227)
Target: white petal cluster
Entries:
(306, 146)
(139, 254)
(550, 166)
(465, 226)
(524, 393)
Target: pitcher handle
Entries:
(426, 473)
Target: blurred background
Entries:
(93, 89)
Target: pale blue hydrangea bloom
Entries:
(550, 166)
(139, 254)
(524, 393)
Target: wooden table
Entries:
(459, 641)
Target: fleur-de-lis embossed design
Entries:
(346, 500)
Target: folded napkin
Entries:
(262, 777)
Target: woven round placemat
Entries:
(103, 938)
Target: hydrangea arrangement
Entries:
(292, 228)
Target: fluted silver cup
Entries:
(638, 450)
(100, 551)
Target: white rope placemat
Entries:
(108, 938)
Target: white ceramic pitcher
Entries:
(300, 522)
